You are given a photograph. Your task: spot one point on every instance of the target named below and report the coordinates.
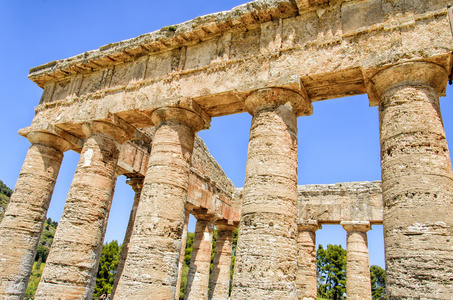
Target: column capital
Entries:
(114, 127)
(408, 73)
(196, 121)
(274, 97)
(223, 225)
(203, 214)
(308, 225)
(49, 139)
(136, 183)
(360, 226)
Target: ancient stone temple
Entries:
(134, 107)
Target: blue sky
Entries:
(338, 143)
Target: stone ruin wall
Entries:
(255, 45)
(334, 203)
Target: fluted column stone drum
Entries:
(417, 181)
(137, 184)
(151, 269)
(72, 264)
(306, 279)
(200, 261)
(358, 281)
(24, 218)
(266, 261)
(219, 286)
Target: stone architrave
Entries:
(137, 184)
(200, 261)
(306, 280)
(182, 252)
(358, 281)
(151, 268)
(219, 286)
(266, 261)
(417, 181)
(70, 271)
(24, 218)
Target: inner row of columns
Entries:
(416, 173)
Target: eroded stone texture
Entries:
(417, 182)
(137, 185)
(219, 285)
(22, 225)
(200, 261)
(306, 279)
(151, 268)
(358, 281)
(345, 201)
(266, 260)
(70, 271)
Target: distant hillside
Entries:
(46, 240)
(5, 194)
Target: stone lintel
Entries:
(345, 201)
(274, 97)
(408, 73)
(305, 5)
(242, 17)
(308, 225)
(361, 226)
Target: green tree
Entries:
(5, 194)
(233, 257)
(378, 289)
(107, 268)
(331, 269)
(35, 277)
(185, 270)
(42, 253)
(5, 190)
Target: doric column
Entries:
(151, 269)
(182, 253)
(137, 184)
(24, 218)
(219, 286)
(306, 260)
(417, 181)
(200, 261)
(358, 281)
(266, 260)
(70, 271)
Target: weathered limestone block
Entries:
(358, 281)
(345, 201)
(266, 260)
(137, 185)
(200, 261)
(70, 271)
(24, 218)
(417, 181)
(151, 269)
(306, 279)
(219, 285)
